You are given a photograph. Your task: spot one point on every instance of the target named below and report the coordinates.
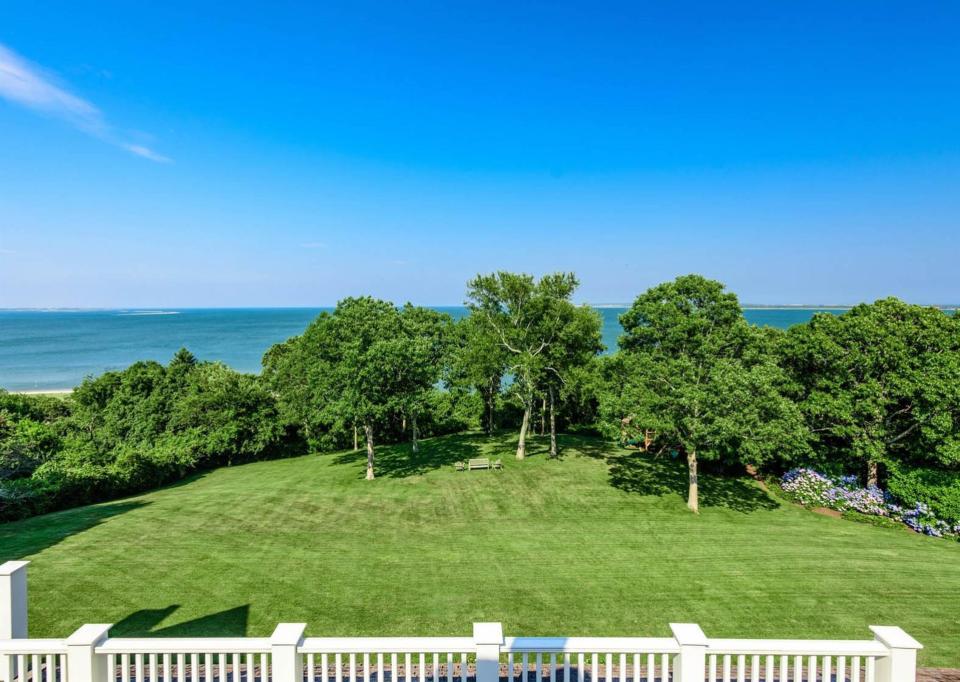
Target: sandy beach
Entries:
(45, 391)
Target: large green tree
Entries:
(695, 372)
(575, 344)
(428, 334)
(879, 384)
(526, 316)
(478, 362)
(364, 363)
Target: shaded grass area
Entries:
(597, 543)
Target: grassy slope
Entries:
(581, 546)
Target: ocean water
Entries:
(49, 350)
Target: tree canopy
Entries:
(696, 373)
(532, 321)
(879, 384)
(362, 364)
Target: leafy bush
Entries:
(870, 519)
(128, 431)
(938, 489)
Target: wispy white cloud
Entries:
(31, 86)
(147, 153)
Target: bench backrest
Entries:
(480, 463)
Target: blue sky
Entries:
(207, 154)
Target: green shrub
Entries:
(131, 430)
(873, 519)
(939, 489)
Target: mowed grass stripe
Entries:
(599, 543)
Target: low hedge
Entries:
(938, 489)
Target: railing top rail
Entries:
(598, 645)
(33, 646)
(798, 647)
(397, 645)
(184, 645)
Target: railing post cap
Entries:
(90, 634)
(688, 634)
(11, 567)
(894, 637)
(488, 633)
(288, 634)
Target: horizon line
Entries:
(744, 306)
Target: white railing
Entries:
(91, 655)
(589, 659)
(37, 660)
(207, 659)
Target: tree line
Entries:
(875, 391)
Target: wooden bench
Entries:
(478, 463)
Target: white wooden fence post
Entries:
(488, 638)
(286, 659)
(900, 665)
(83, 663)
(690, 665)
(13, 600)
(13, 606)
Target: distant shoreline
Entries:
(43, 391)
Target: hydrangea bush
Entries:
(811, 488)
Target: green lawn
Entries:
(599, 543)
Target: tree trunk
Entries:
(522, 445)
(368, 431)
(491, 408)
(873, 472)
(553, 427)
(356, 439)
(413, 426)
(543, 416)
(693, 497)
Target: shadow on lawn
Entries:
(399, 461)
(19, 539)
(228, 623)
(652, 475)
